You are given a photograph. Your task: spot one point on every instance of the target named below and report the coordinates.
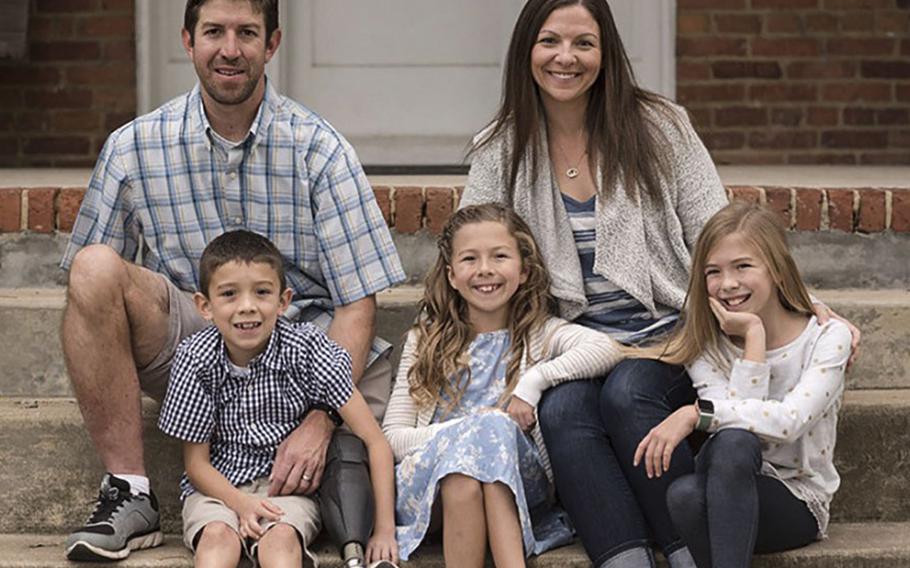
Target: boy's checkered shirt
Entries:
(245, 419)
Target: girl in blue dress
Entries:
(461, 419)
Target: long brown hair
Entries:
(698, 331)
(443, 329)
(622, 138)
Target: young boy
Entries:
(237, 389)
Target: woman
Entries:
(616, 186)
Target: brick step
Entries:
(850, 545)
(32, 362)
(49, 472)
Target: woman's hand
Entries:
(522, 413)
(657, 447)
(253, 509)
(382, 546)
(823, 313)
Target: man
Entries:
(230, 154)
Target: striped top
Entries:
(610, 309)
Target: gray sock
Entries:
(639, 557)
(681, 558)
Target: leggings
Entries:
(727, 510)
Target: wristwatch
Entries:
(705, 414)
(331, 412)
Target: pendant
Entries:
(572, 173)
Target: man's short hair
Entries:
(268, 9)
(239, 246)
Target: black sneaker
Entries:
(121, 522)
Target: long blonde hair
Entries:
(698, 331)
(443, 329)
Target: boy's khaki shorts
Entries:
(300, 511)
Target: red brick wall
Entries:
(76, 83)
(767, 81)
(412, 209)
(797, 81)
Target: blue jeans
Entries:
(591, 429)
(727, 509)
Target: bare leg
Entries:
(116, 319)
(464, 527)
(280, 548)
(218, 546)
(503, 527)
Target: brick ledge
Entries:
(409, 209)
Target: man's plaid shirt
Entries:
(161, 190)
(245, 419)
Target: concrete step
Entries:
(850, 545)
(29, 259)
(33, 364)
(49, 472)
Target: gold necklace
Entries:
(572, 171)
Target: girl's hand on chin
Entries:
(736, 324)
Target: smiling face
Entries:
(486, 270)
(244, 302)
(566, 57)
(229, 51)
(738, 277)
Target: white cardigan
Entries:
(564, 352)
(642, 245)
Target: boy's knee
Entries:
(460, 489)
(282, 535)
(217, 534)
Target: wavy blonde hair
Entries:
(443, 329)
(698, 331)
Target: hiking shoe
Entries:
(120, 523)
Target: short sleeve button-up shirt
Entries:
(162, 189)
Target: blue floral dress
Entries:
(485, 445)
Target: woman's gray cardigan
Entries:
(643, 249)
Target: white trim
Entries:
(668, 51)
(143, 57)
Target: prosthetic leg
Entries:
(346, 497)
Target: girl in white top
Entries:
(461, 418)
(770, 381)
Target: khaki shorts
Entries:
(185, 320)
(300, 512)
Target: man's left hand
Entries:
(300, 459)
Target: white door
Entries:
(408, 82)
